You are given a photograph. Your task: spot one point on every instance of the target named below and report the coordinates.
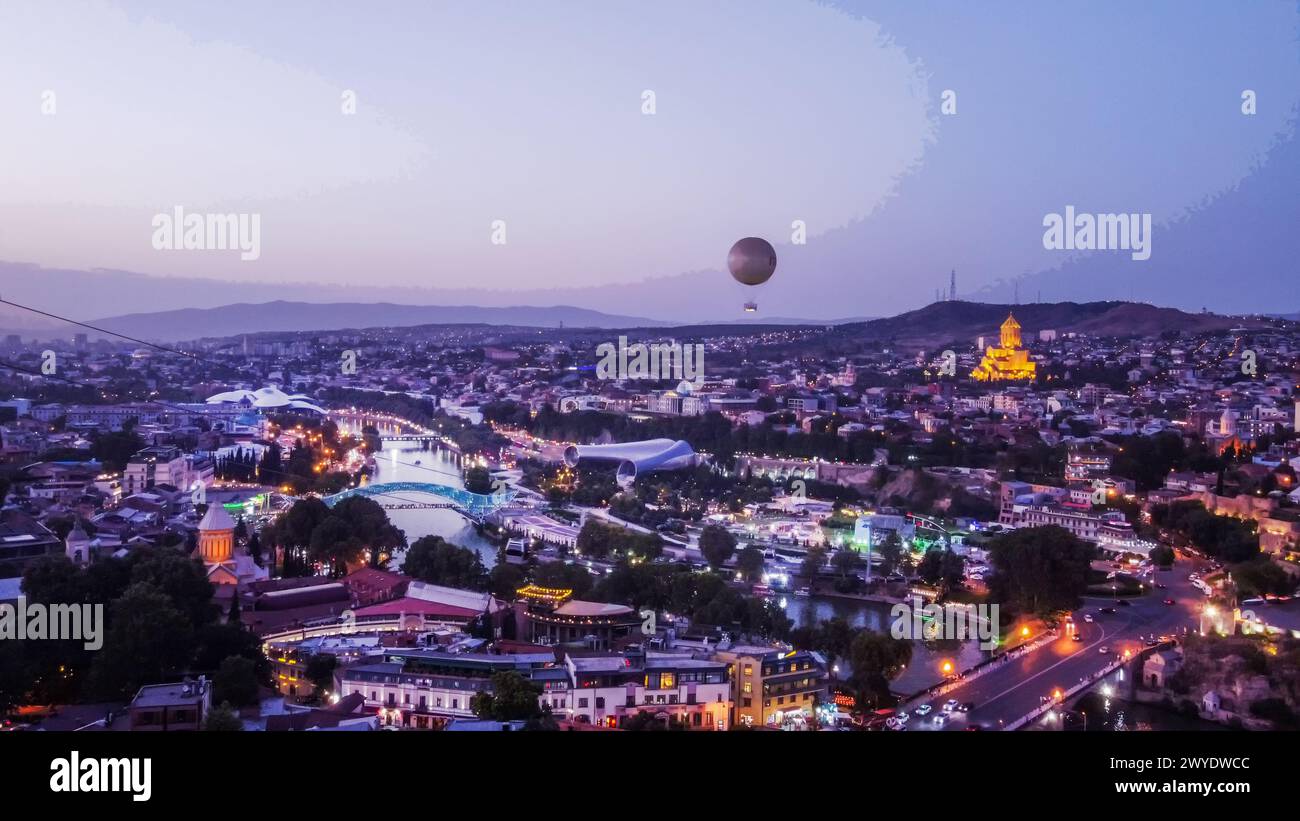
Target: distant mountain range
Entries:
(936, 323)
(246, 318)
(282, 315)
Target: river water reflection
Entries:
(426, 462)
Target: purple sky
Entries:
(766, 113)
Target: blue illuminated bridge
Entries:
(387, 494)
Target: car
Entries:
(903, 717)
(1169, 601)
(939, 720)
(1161, 586)
(1088, 618)
(924, 709)
(1104, 650)
(1078, 637)
(974, 728)
(1125, 603)
(1106, 610)
(950, 705)
(966, 706)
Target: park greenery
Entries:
(161, 623)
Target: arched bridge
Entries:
(473, 505)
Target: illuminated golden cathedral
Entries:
(1008, 361)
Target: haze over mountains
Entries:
(933, 324)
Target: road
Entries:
(1014, 689)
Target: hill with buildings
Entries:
(941, 322)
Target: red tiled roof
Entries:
(417, 607)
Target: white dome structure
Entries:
(269, 398)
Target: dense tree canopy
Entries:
(1039, 569)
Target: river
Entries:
(420, 462)
(397, 463)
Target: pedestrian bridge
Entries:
(387, 494)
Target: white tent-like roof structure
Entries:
(268, 398)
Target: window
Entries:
(582, 702)
(666, 681)
(600, 703)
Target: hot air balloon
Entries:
(751, 262)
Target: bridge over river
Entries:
(473, 506)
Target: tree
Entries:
(1039, 569)
(433, 560)
(369, 524)
(16, 675)
(478, 480)
(222, 719)
(512, 698)
(832, 637)
(750, 563)
(813, 562)
(1260, 576)
(563, 576)
(235, 681)
(182, 579)
(890, 550)
(148, 641)
(217, 642)
(717, 545)
(1162, 556)
(320, 672)
(505, 578)
(942, 567)
(876, 658)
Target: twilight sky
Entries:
(767, 111)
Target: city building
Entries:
(22, 539)
(152, 466)
(171, 707)
(422, 689)
(610, 690)
(1007, 362)
(775, 688)
(551, 617)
